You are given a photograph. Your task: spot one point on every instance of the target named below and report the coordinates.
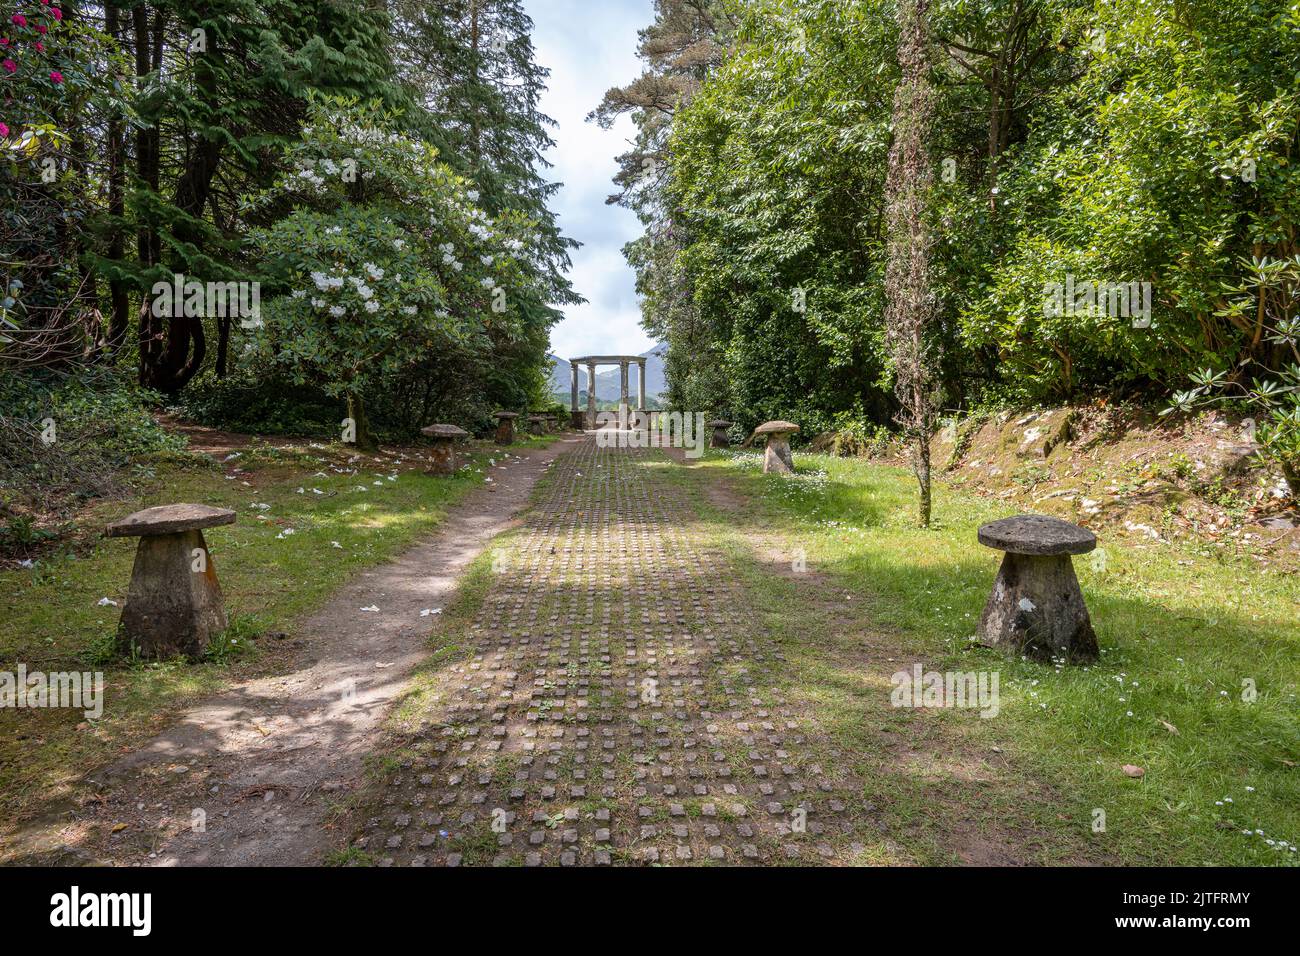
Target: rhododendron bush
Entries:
(385, 258)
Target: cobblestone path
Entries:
(617, 704)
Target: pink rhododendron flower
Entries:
(9, 65)
(56, 13)
(4, 130)
(40, 28)
(40, 47)
(19, 19)
(56, 76)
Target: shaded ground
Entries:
(249, 776)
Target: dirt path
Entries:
(259, 766)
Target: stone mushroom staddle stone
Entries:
(1036, 607)
(174, 604)
(777, 458)
(537, 424)
(505, 427)
(443, 453)
(720, 437)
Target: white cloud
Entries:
(589, 47)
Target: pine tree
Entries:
(684, 45)
(472, 67)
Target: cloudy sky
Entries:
(589, 46)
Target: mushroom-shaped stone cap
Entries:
(507, 415)
(776, 428)
(169, 519)
(1037, 534)
(719, 423)
(447, 432)
(538, 418)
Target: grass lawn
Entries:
(1186, 636)
(306, 524)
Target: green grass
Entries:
(275, 564)
(1180, 631)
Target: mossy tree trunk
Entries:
(364, 438)
(909, 296)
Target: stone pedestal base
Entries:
(720, 439)
(505, 432)
(576, 419)
(171, 608)
(1037, 609)
(442, 459)
(777, 458)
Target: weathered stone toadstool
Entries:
(443, 453)
(505, 427)
(720, 437)
(1036, 607)
(174, 603)
(777, 458)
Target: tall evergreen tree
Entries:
(682, 47)
(472, 67)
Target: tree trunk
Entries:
(148, 247)
(119, 303)
(365, 438)
(223, 345)
(909, 298)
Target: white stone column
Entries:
(640, 385)
(574, 420)
(591, 394)
(622, 391)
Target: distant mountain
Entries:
(607, 378)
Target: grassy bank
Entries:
(1186, 636)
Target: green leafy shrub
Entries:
(256, 400)
(64, 439)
